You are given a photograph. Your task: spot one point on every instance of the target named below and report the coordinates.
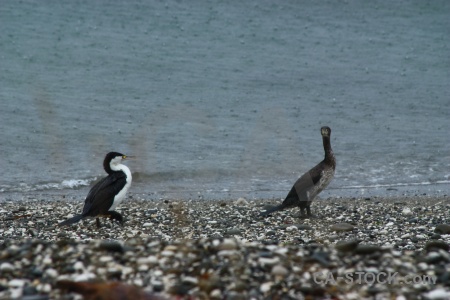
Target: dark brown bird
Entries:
(106, 291)
(307, 187)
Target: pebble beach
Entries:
(359, 248)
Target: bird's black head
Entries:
(325, 131)
(114, 155)
(113, 158)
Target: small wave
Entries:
(65, 184)
(392, 185)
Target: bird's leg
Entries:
(97, 220)
(302, 212)
(308, 212)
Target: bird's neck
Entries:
(111, 168)
(329, 155)
(122, 168)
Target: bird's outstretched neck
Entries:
(329, 155)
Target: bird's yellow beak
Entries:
(127, 157)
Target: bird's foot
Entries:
(114, 215)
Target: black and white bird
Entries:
(310, 184)
(108, 193)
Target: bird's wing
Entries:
(306, 181)
(101, 196)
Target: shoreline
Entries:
(169, 246)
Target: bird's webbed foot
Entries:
(114, 215)
(309, 214)
(306, 215)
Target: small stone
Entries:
(347, 246)
(233, 231)
(112, 246)
(215, 294)
(270, 233)
(105, 259)
(241, 201)
(147, 225)
(367, 249)
(291, 228)
(438, 294)
(6, 267)
(29, 291)
(407, 211)
(52, 273)
(435, 245)
(442, 229)
(303, 226)
(16, 283)
(268, 261)
(167, 253)
(228, 244)
(341, 227)
(279, 270)
(266, 286)
(435, 236)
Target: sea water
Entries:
(225, 99)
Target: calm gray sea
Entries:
(225, 99)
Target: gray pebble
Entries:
(347, 246)
(442, 229)
(367, 249)
(342, 227)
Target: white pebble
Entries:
(6, 267)
(147, 225)
(16, 283)
(265, 287)
(279, 270)
(44, 288)
(167, 253)
(105, 259)
(52, 273)
(85, 277)
(241, 201)
(47, 261)
(79, 266)
(268, 261)
(407, 211)
(143, 268)
(216, 294)
(438, 294)
(228, 244)
(190, 279)
(291, 228)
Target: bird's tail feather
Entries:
(71, 220)
(271, 210)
